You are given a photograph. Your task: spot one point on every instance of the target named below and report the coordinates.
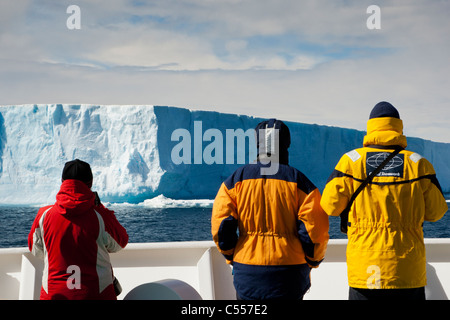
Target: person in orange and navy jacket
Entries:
(283, 231)
(74, 237)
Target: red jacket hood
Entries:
(74, 197)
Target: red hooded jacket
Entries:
(75, 237)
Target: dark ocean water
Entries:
(160, 225)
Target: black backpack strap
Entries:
(344, 214)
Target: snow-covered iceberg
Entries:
(141, 152)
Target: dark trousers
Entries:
(239, 298)
(387, 294)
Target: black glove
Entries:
(97, 199)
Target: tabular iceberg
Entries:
(140, 152)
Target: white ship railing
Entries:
(190, 270)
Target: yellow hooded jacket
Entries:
(385, 238)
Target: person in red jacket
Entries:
(74, 237)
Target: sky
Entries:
(311, 61)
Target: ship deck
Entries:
(196, 270)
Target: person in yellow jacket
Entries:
(283, 231)
(385, 249)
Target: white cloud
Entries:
(310, 61)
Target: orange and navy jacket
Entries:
(76, 236)
(279, 219)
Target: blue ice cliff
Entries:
(139, 152)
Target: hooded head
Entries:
(385, 128)
(78, 170)
(273, 139)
